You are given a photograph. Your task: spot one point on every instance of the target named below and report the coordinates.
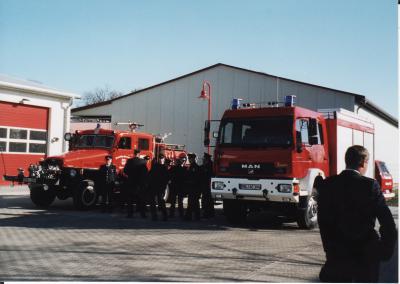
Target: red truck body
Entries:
(384, 178)
(75, 173)
(272, 158)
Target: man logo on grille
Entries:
(251, 166)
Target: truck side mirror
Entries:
(299, 147)
(313, 127)
(313, 140)
(207, 133)
(299, 144)
(68, 136)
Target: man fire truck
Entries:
(272, 157)
(75, 173)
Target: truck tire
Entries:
(307, 213)
(40, 197)
(85, 195)
(235, 212)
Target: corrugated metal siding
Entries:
(175, 107)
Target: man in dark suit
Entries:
(348, 206)
(107, 177)
(206, 172)
(158, 180)
(192, 184)
(177, 174)
(137, 173)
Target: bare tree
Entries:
(100, 95)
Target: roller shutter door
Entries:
(23, 136)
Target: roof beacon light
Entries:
(290, 101)
(236, 103)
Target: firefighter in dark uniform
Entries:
(192, 185)
(206, 172)
(158, 180)
(107, 177)
(348, 206)
(137, 173)
(177, 175)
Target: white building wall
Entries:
(59, 115)
(386, 142)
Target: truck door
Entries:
(123, 151)
(310, 146)
(145, 146)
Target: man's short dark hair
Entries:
(356, 156)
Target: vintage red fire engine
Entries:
(272, 157)
(74, 174)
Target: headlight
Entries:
(73, 172)
(284, 188)
(218, 185)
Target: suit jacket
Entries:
(348, 205)
(136, 171)
(158, 178)
(193, 178)
(107, 175)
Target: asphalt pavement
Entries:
(62, 244)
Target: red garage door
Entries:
(23, 136)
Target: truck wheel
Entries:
(40, 197)
(235, 212)
(85, 195)
(307, 214)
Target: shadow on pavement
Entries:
(62, 214)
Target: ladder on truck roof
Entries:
(346, 115)
(132, 125)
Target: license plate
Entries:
(250, 186)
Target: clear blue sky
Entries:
(79, 45)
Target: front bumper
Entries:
(266, 189)
(388, 194)
(19, 179)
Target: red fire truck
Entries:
(271, 157)
(74, 174)
(384, 178)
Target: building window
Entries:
(18, 133)
(37, 148)
(17, 147)
(3, 132)
(37, 135)
(3, 146)
(17, 140)
(143, 144)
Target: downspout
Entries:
(67, 123)
(362, 103)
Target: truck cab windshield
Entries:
(257, 132)
(94, 141)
